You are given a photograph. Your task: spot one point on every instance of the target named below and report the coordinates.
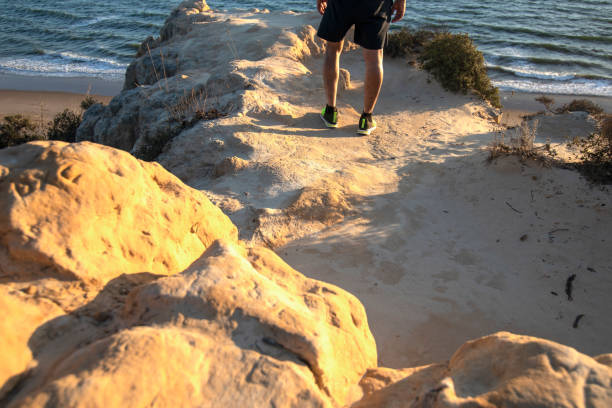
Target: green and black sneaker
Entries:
(329, 115)
(366, 124)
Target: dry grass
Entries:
(522, 144)
(546, 101)
(194, 106)
(594, 158)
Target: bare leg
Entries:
(331, 69)
(373, 78)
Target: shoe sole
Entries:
(328, 124)
(365, 132)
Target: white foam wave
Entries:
(69, 65)
(577, 87)
(527, 71)
(85, 58)
(94, 20)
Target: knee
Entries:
(333, 49)
(373, 60)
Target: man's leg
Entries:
(331, 71)
(373, 78)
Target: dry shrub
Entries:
(596, 153)
(88, 102)
(521, 145)
(581, 105)
(546, 101)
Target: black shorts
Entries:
(370, 17)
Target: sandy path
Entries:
(451, 248)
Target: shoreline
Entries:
(41, 98)
(47, 96)
(42, 106)
(75, 85)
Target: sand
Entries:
(441, 247)
(38, 98)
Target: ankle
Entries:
(329, 107)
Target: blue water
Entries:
(550, 46)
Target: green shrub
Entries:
(456, 63)
(405, 42)
(64, 126)
(17, 129)
(581, 105)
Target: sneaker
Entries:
(366, 124)
(330, 116)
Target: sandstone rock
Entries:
(344, 81)
(191, 57)
(327, 206)
(91, 212)
(259, 300)
(237, 328)
(504, 370)
(172, 367)
(230, 165)
(21, 316)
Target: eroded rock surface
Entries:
(85, 211)
(125, 287)
(500, 370)
(88, 325)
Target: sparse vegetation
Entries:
(18, 129)
(596, 153)
(404, 42)
(88, 102)
(581, 105)
(546, 101)
(522, 144)
(456, 63)
(452, 59)
(64, 126)
(594, 159)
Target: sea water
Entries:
(546, 46)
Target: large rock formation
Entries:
(238, 324)
(500, 370)
(84, 211)
(237, 327)
(122, 286)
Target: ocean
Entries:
(543, 46)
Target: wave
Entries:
(541, 33)
(64, 64)
(91, 21)
(120, 24)
(53, 13)
(521, 61)
(527, 73)
(146, 14)
(581, 87)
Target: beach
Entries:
(40, 97)
(208, 227)
(33, 96)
